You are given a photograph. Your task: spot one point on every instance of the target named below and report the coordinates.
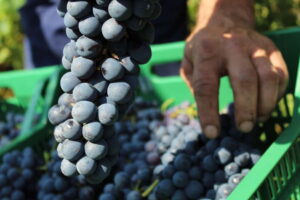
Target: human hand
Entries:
(257, 71)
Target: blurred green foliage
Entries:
(11, 39)
(270, 15)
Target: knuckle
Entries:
(269, 43)
(269, 75)
(233, 39)
(204, 87)
(207, 46)
(247, 77)
(259, 52)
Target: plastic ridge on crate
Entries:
(33, 92)
(276, 176)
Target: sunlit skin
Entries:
(224, 42)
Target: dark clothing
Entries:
(172, 24)
(46, 37)
(45, 33)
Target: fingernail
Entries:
(211, 131)
(263, 118)
(246, 126)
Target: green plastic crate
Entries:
(277, 174)
(32, 93)
(275, 177)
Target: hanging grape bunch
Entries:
(108, 40)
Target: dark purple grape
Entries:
(194, 189)
(100, 13)
(209, 164)
(84, 91)
(79, 8)
(107, 114)
(58, 114)
(68, 82)
(147, 33)
(66, 63)
(82, 67)
(90, 27)
(86, 166)
(135, 23)
(84, 111)
(72, 34)
(69, 51)
(99, 83)
(66, 99)
(143, 8)
(71, 129)
(120, 10)
(119, 92)
(96, 150)
(112, 69)
(72, 150)
(70, 21)
(164, 189)
(112, 30)
(140, 52)
(93, 131)
(180, 179)
(130, 65)
(88, 47)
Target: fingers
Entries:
(279, 64)
(243, 78)
(186, 71)
(205, 84)
(268, 88)
(203, 79)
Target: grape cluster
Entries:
(165, 156)
(208, 169)
(134, 168)
(54, 185)
(19, 175)
(10, 128)
(108, 40)
(149, 166)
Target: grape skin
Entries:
(112, 30)
(78, 9)
(68, 82)
(90, 27)
(88, 47)
(112, 69)
(120, 10)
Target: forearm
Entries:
(226, 13)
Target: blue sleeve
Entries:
(53, 28)
(44, 30)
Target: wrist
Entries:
(226, 14)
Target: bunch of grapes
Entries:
(54, 185)
(208, 169)
(140, 164)
(187, 166)
(133, 173)
(19, 175)
(165, 156)
(109, 39)
(10, 128)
